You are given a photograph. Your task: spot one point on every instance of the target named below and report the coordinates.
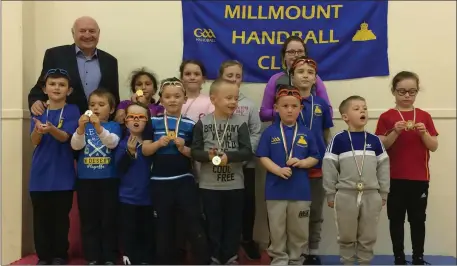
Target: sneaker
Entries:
(232, 261)
(93, 262)
(251, 249)
(109, 263)
(59, 261)
(400, 260)
(312, 260)
(419, 261)
(42, 262)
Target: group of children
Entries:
(183, 165)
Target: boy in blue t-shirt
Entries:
(316, 116)
(136, 212)
(98, 184)
(52, 175)
(167, 138)
(287, 150)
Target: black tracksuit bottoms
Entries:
(98, 212)
(51, 223)
(137, 233)
(170, 197)
(407, 196)
(224, 217)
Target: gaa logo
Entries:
(204, 35)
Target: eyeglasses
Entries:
(138, 117)
(295, 52)
(172, 83)
(288, 91)
(56, 71)
(308, 61)
(412, 92)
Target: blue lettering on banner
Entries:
(348, 39)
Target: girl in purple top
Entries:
(292, 48)
(144, 80)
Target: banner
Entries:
(348, 39)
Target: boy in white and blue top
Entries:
(98, 183)
(356, 180)
(52, 175)
(167, 139)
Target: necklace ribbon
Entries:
(409, 124)
(359, 167)
(284, 141)
(171, 134)
(312, 113)
(60, 122)
(217, 133)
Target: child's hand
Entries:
(83, 120)
(211, 153)
(224, 159)
(46, 128)
(131, 144)
(400, 126)
(292, 161)
(421, 128)
(285, 172)
(331, 204)
(163, 141)
(384, 202)
(120, 116)
(94, 120)
(38, 126)
(142, 99)
(179, 143)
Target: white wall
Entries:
(422, 38)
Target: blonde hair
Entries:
(229, 63)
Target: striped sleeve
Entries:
(331, 167)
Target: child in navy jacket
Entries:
(134, 190)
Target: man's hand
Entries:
(38, 107)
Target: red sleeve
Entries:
(430, 126)
(382, 128)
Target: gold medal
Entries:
(409, 125)
(139, 93)
(88, 113)
(171, 134)
(60, 123)
(216, 160)
(360, 186)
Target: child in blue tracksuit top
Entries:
(52, 175)
(97, 184)
(134, 190)
(287, 150)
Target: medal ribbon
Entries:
(359, 168)
(312, 113)
(414, 116)
(60, 116)
(217, 133)
(284, 141)
(165, 120)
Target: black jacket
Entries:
(64, 57)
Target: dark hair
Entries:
(402, 76)
(228, 63)
(292, 38)
(193, 62)
(143, 72)
(170, 80)
(101, 92)
(345, 103)
(218, 82)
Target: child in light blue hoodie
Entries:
(232, 70)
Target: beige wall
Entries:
(421, 39)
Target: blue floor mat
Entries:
(389, 260)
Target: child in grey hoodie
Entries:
(221, 143)
(232, 70)
(356, 180)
